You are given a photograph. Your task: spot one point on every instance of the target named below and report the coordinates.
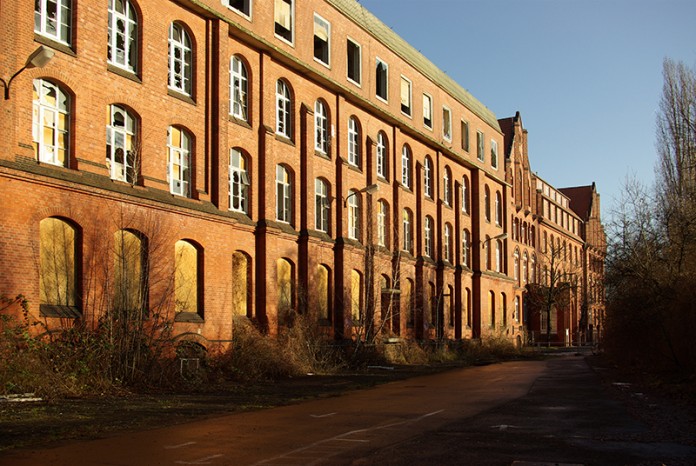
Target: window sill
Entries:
(284, 139)
(323, 155)
(180, 96)
(239, 121)
(54, 44)
(123, 73)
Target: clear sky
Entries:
(586, 76)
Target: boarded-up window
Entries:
(57, 264)
(240, 284)
(130, 267)
(186, 277)
(323, 290)
(356, 296)
(284, 281)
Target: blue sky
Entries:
(586, 76)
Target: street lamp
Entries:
(373, 188)
(37, 59)
(500, 236)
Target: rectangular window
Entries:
(243, 7)
(284, 19)
(428, 111)
(405, 96)
(465, 135)
(494, 153)
(381, 80)
(479, 145)
(52, 19)
(354, 57)
(322, 39)
(446, 123)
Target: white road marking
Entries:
(172, 447)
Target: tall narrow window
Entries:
(283, 195)
(408, 231)
(516, 266)
(382, 156)
(447, 187)
(354, 64)
(406, 167)
(356, 296)
(321, 128)
(405, 96)
(284, 19)
(498, 208)
(354, 215)
(239, 182)
(428, 236)
(517, 309)
(239, 102)
(353, 142)
(121, 150)
(465, 135)
(241, 6)
(487, 252)
(241, 284)
(285, 285)
(382, 223)
(179, 161)
(466, 248)
(122, 50)
(322, 205)
(180, 59)
(187, 280)
(130, 274)
(494, 153)
(57, 273)
(427, 111)
(498, 256)
(382, 80)
(322, 283)
(51, 123)
(447, 252)
(487, 203)
(52, 18)
(479, 146)
(428, 177)
(446, 124)
(466, 203)
(322, 39)
(525, 268)
(283, 110)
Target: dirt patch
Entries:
(40, 424)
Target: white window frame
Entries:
(48, 115)
(446, 123)
(56, 26)
(407, 220)
(318, 28)
(321, 128)
(181, 57)
(239, 89)
(354, 145)
(516, 265)
(238, 182)
(428, 236)
(322, 205)
(406, 96)
(447, 187)
(179, 163)
(283, 109)
(354, 202)
(498, 255)
(385, 97)
(382, 160)
(382, 212)
(427, 111)
(465, 194)
(121, 137)
(283, 194)
(290, 22)
(466, 248)
(126, 55)
(406, 166)
(428, 177)
(247, 5)
(498, 208)
(357, 62)
(447, 252)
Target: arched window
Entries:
(498, 208)
(450, 305)
(491, 307)
(428, 177)
(498, 256)
(448, 243)
(516, 317)
(428, 236)
(130, 274)
(487, 203)
(321, 128)
(322, 283)
(122, 50)
(238, 182)
(239, 88)
(51, 123)
(467, 297)
(503, 305)
(241, 284)
(532, 269)
(187, 280)
(285, 284)
(180, 59)
(356, 296)
(408, 231)
(382, 223)
(516, 266)
(121, 146)
(179, 161)
(487, 252)
(354, 155)
(283, 194)
(466, 190)
(58, 251)
(322, 205)
(525, 267)
(447, 187)
(408, 298)
(283, 110)
(354, 214)
(382, 156)
(466, 248)
(406, 167)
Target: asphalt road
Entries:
(527, 412)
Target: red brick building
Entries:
(216, 160)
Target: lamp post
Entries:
(500, 236)
(38, 59)
(371, 189)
